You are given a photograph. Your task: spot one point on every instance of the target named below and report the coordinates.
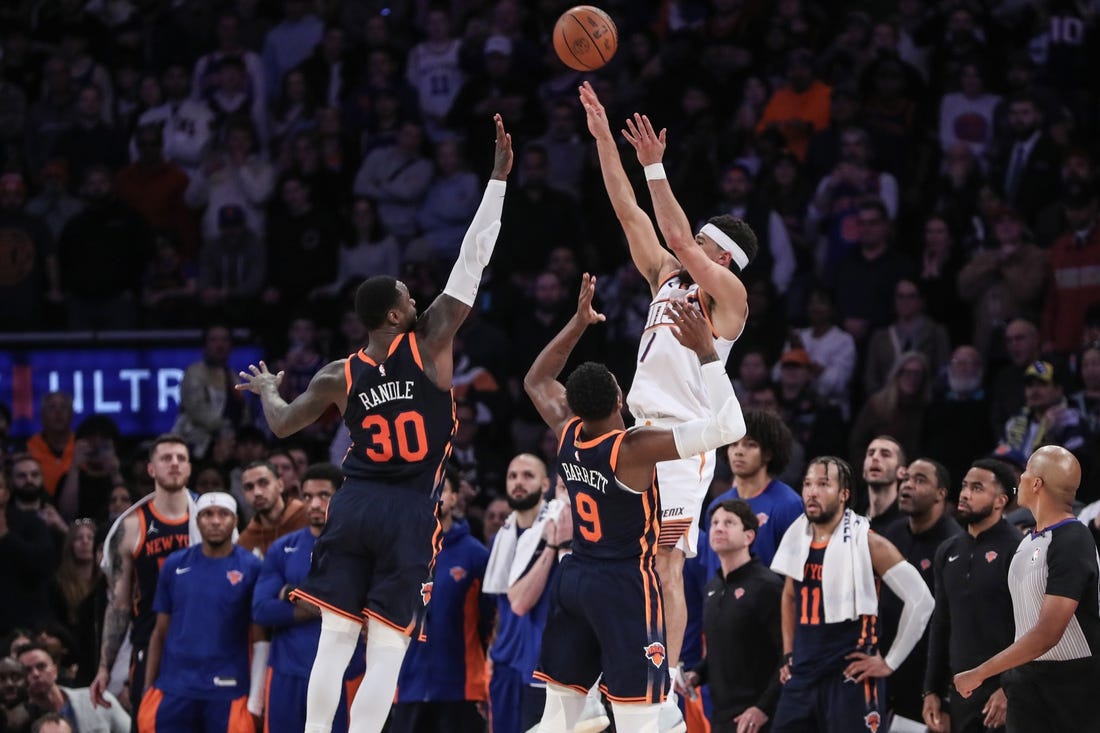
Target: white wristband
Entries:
(655, 172)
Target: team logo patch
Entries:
(458, 573)
(761, 518)
(738, 593)
(1035, 555)
(235, 576)
(426, 592)
(655, 653)
(872, 720)
(925, 564)
(990, 556)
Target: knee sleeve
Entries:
(563, 709)
(339, 635)
(635, 718)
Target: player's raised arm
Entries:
(644, 447)
(651, 259)
(328, 387)
(714, 277)
(437, 327)
(541, 382)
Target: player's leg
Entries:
(410, 717)
(386, 647)
(564, 706)
(636, 717)
(505, 699)
(670, 568)
(845, 706)
(339, 636)
(164, 713)
(137, 686)
(225, 716)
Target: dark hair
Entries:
(743, 511)
(1001, 473)
(164, 438)
(324, 472)
(740, 232)
(943, 476)
(99, 426)
(262, 463)
(901, 451)
(875, 204)
(774, 438)
(374, 299)
(453, 475)
(591, 391)
(32, 646)
(57, 718)
(843, 472)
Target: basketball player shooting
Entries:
(373, 563)
(668, 386)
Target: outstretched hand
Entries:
(597, 117)
(502, 156)
(585, 311)
(256, 379)
(690, 327)
(649, 145)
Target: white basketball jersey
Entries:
(436, 76)
(668, 384)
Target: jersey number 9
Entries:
(590, 518)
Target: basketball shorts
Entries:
(164, 712)
(831, 704)
(606, 616)
(683, 486)
(376, 555)
(285, 703)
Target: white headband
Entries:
(724, 241)
(215, 498)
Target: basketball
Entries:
(585, 38)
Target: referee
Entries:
(1052, 672)
(973, 616)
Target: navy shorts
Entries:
(831, 704)
(606, 616)
(375, 556)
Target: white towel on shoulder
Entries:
(512, 551)
(847, 577)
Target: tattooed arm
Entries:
(116, 621)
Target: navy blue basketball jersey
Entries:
(157, 539)
(820, 645)
(401, 423)
(610, 521)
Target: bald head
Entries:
(1059, 470)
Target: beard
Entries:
(827, 515)
(524, 503)
(971, 516)
(27, 493)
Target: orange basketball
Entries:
(585, 38)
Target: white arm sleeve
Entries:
(907, 584)
(726, 423)
(260, 652)
(477, 245)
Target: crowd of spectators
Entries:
(922, 177)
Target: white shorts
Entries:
(683, 486)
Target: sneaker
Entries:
(670, 719)
(594, 718)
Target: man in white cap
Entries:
(197, 671)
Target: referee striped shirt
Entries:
(1059, 561)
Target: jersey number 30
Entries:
(407, 437)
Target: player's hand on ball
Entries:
(585, 312)
(690, 327)
(256, 379)
(649, 145)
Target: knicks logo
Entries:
(872, 720)
(458, 573)
(235, 576)
(761, 518)
(925, 564)
(738, 593)
(990, 556)
(426, 592)
(655, 653)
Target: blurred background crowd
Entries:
(921, 176)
